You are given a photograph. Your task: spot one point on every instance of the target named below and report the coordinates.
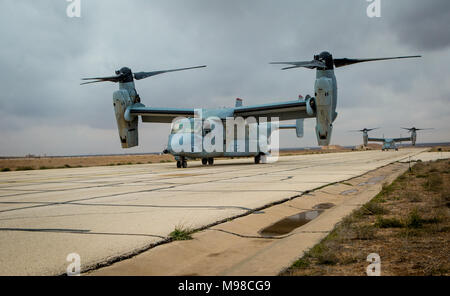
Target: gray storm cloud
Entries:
(44, 110)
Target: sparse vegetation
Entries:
(414, 220)
(6, 169)
(24, 168)
(38, 163)
(373, 208)
(388, 223)
(181, 233)
(364, 232)
(301, 263)
(440, 149)
(413, 196)
(407, 223)
(434, 182)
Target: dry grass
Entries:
(440, 149)
(42, 163)
(407, 224)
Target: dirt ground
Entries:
(440, 149)
(407, 224)
(36, 163)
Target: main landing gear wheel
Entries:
(257, 159)
(181, 164)
(204, 161)
(211, 161)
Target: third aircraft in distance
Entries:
(390, 143)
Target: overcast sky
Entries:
(44, 110)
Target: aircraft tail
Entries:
(298, 127)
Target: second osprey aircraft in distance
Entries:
(128, 108)
(390, 143)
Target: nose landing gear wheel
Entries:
(204, 161)
(178, 164)
(211, 161)
(257, 159)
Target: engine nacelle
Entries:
(324, 110)
(128, 130)
(365, 138)
(413, 138)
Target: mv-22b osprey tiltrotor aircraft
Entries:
(390, 143)
(322, 106)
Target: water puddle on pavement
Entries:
(323, 206)
(348, 192)
(373, 181)
(290, 223)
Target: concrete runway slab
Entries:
(104, 213)
(238, 248)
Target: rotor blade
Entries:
(365, 130)
(102, 79)
(345, 62)
(305, 64)
(142, 75)
(417, 129)
(96, 81)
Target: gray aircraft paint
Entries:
(322, 106)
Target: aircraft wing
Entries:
(375, 140)
(163, 115)
(402, 139)
(284, 110)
